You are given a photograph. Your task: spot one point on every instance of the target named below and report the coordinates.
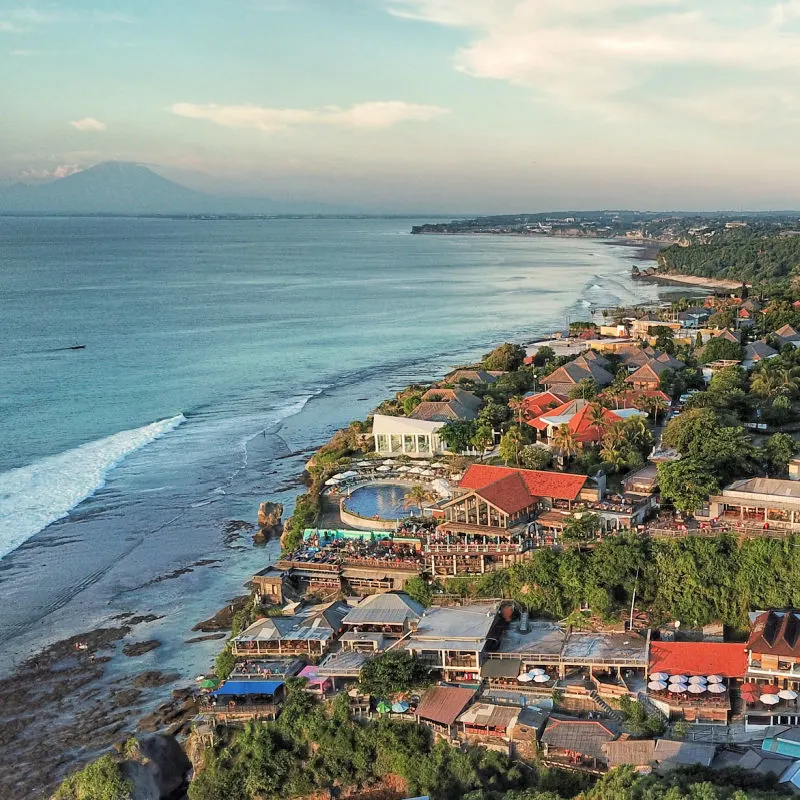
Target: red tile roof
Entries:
(554, 485)
(509, 494)
(776, 633)
(584, 430)
(564, 410)
(698, 658)
(536, 404)
(443, 704)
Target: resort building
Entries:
(633, 356)
(454, 640)
(311, 634)
(487, 524)
(648, 376)
(441, 706)
(770, 693)
(788, 335)
(564, 379)
(446, 405)
(379, 620)
(416, 438)
(579, 417)
(757, 503)
(484, 721)
(577, 743)
(696, 662)
(238, 701)
(477, 377)
(537, 403)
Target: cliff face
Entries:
(158, 770)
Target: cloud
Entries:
(362, 116)
(61, 171)
(622, 57)
(25, 17)
(89, 124)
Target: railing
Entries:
(749, 532)
(380, 563)
(315, 565)
(476, 548)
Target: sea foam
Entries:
(32, 497)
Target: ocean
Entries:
(218, 354)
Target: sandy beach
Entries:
(695, 280)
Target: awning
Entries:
(501, 668)
(248, 687)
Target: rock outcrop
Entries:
(269, 520)
(158, 768)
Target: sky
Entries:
(415, 105)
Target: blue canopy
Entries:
(249, 687)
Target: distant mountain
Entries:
(119, 187)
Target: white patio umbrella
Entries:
(696, 688)
(524, 678)
(659, 676)
(716, 688)
(770, 699)
(332, 482)
(541, 679)
(403, 469)
(677, 688)
(698, 679)
(353, 693)
(423, 461)
(537, 671)
(678, 679)
(415, 471)
(365, 463)
(384, 468)
(656, 686)
(715, 679)
(429, 473)
(389, 462)
(787, 694)
(349, 474)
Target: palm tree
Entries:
(766, 381)
(416, 496)
(517, 405)
(598, 419)
(511, 444)
(655, 405)
(565, 442)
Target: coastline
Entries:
(362, 393)
(694, 281)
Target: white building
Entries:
(405, 436)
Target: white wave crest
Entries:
(32, 497)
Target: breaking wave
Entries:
(32, 497)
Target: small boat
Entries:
(78, 347)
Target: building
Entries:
(441, 706)
(649, 375)
(566, 378)
(311, 633)
(761, 503)
(454, 640)
(577, 742)
(537, 403)
(417, 438)
(487, 721)
(783, 742)
(756, 352)
(727, 660)
(476, 377)
(486, 525)
(379, 619)
(452, 404)
(788, 335)
(670, 754)
(268, 585)
(578, 416)
(773, 670)
(239, 701)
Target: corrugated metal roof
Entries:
(584, 736)
(672, 753)
(474, 646)
(464, 622)
(489, 716)
(443, 704)
(637, 752)
(389, 608)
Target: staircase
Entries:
(651, 708)
(605, 707)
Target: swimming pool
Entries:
(385, 500)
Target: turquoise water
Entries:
(217, 355)
(385, 500)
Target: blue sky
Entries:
(430, 105)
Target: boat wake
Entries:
(32, 497)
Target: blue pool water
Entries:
(386, 501)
